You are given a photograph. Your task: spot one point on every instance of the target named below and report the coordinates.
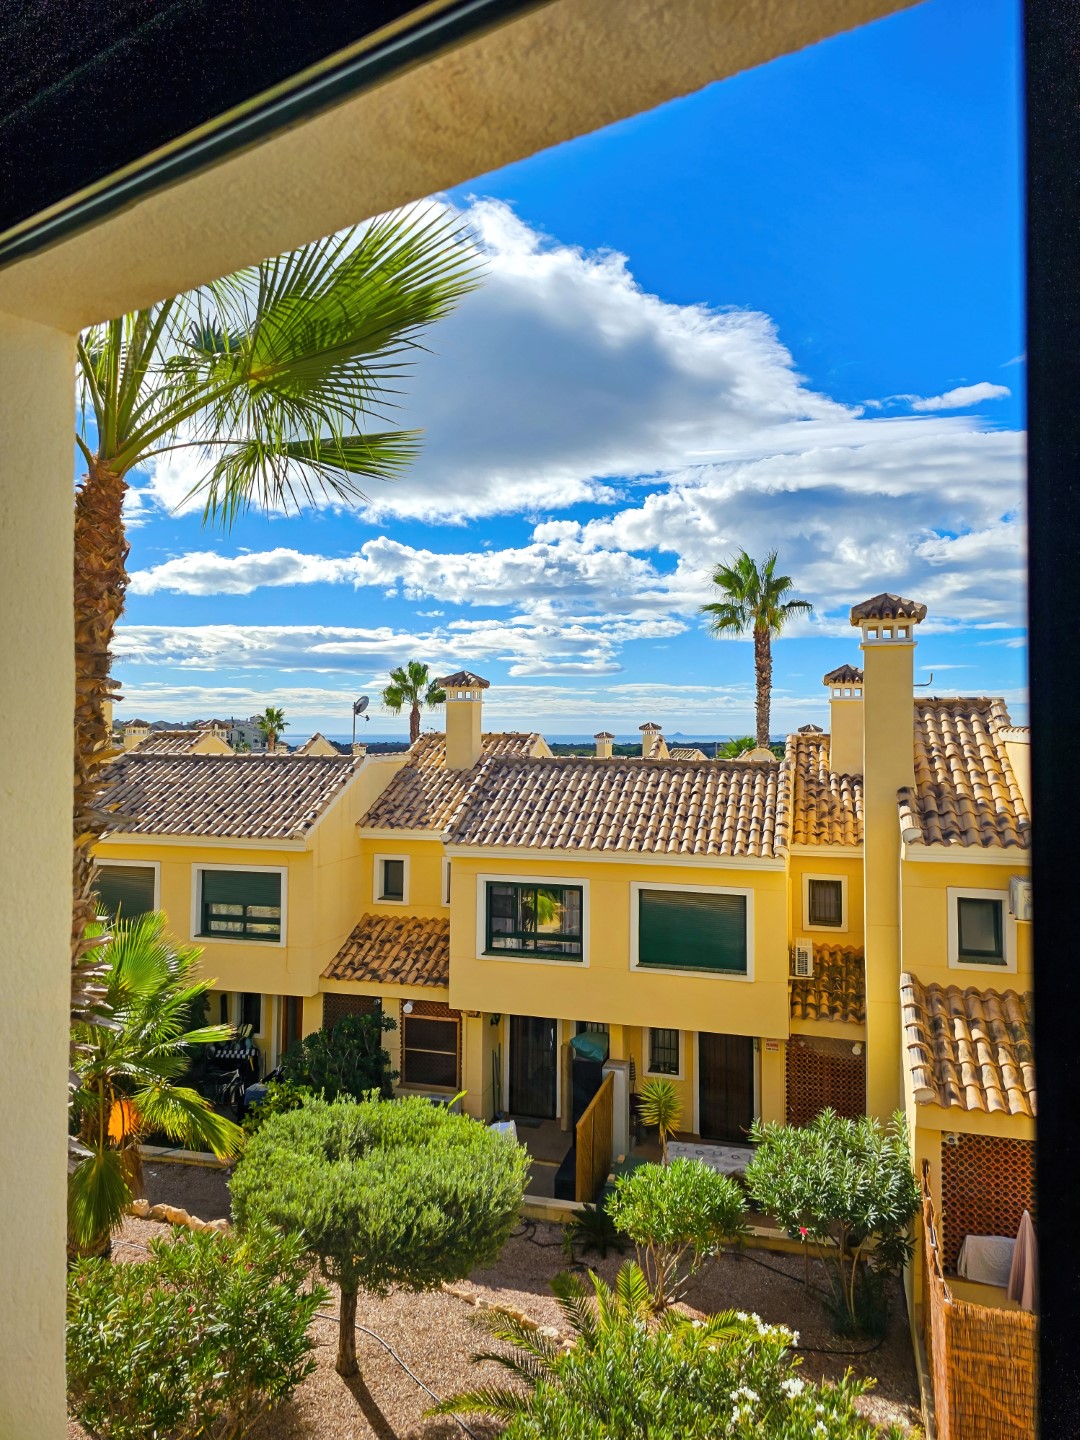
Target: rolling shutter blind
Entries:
(241, 904)
(679, 930)
(128, 889)
(240, 887)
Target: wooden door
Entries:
(725, 1087)
(533, 1066)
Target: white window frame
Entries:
(154, 865)
(636, 886)
(446, 880)
(648, 1072)
(483, 881)
(377, 880)
(1008, 931)
(197, 872)
(840, 929)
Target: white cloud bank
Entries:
(963, 396)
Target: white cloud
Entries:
(962, 396)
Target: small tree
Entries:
(844, 1185)
(729, 1377)
(400, 1193)
(199, 1340)
(676, 1215)
(272, 722)
(659, 1105)
(348, 1059)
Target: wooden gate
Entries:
(592, 1138)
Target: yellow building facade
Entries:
(757, 931)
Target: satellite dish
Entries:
(360, 705)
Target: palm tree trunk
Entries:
(763, 678)
(414, 724)
(346, 1346)
(101, 551)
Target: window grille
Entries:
(663, 1052)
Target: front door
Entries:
(292, 1022)
(725, 1086)
(533, 1066)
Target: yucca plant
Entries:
(277, 381)
(129, 1072)
(659, 1105)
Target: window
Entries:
(591, 1027)
(251, 1012)
(241, 904)
(825, 903)
(429, 1050)
(981, 931)
(663, 1052)
(391, 879)
(128, 890)
(542, 920)
(693, 930)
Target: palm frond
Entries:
(576, 1305)
(97, 1194)
(495, 1400)
(632, 1291)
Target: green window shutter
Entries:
(241, 887)
(684, 930)
(128, 889)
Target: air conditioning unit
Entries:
(802, 964)
(1020, 897)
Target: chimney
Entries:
(652, 740)
(845, 720)
(887, 624)
(359, 748)
(134, 732)
(464, 704)
(604, 740)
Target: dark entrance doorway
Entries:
(533, 1066)
(725, 1086)
(292, 1022)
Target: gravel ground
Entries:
(436, 1334)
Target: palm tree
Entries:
(411, 685)
(271, 722)
(271, 379)
(128, 1071)
(536, 1358)
(732, 749)
(754, 602)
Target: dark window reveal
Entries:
(692, 930)
(535, 920)
(127, 890)
(393, 880)
(251, 1012)
(663, 1052)
(826, 903)
(429, 1051)
(980, 931)
(241, 905)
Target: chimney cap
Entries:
(603, 735)
(888, 607)
(845, 675)
(463, 680)
(651, 725)
(811, 730)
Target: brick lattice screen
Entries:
(821, 1073)
(431, 1010)
(987, 1182)
(336, 1007)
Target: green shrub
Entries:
(398, 1192)
(592, 1229)
(676, 1215)
(848, 1187)
(281, 1095)
(347, 1060)
(730, 1377)
(198, 1340)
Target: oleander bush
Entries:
(198, 1340)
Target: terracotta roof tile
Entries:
(837, 989)
(464, 680)
(172, 742)
(313, 742)
(667, 807)
(969, 1048)
(686, 752)
(826, 808)
(965, 790)
(258, 797)
(425, 795)
(844, 675)
(394, 950)
(888, 607)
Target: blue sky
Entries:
(783, 311)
